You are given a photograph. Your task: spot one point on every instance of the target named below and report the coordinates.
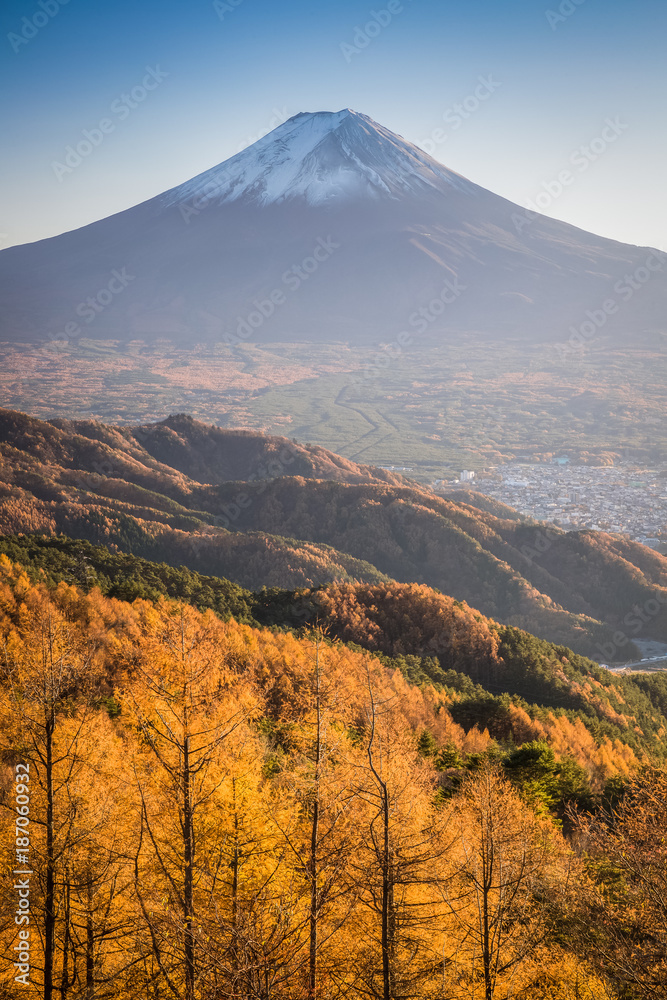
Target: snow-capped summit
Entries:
(320, 157)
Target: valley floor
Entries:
(447, 403)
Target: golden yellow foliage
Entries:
(221, 811)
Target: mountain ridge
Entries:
(291, 531)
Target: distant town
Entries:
(621, 499)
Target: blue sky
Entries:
(226, 72)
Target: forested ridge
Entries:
(303, 517)
(219, 809)
(504, 679)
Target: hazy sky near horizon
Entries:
(517, 96)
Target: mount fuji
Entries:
(329, 229)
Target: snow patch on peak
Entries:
(319, 157)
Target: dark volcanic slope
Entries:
(100, 483)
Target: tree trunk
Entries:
(314, 834)
(90, 941)
(387, 903)
(487, 885)
(486, 949)
(188, 938)
(235, 895)
(64, 978)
